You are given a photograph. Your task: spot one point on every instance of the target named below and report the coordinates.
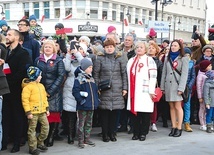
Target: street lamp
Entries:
(156, 8)
(170, 24)
(127, 14)
(2, 10)
(179, 22)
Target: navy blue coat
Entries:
(53, 73)
(85, 83)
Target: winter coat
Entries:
(85, 83)
(37, 32)
(200, 83)
(208, 92)
(69, 102)
(168, 81)
(104, 66)
(191, 75)
(145, 82)
(131, 53)
(4, 88)
(34, 97)
(197, 50)
(159, 65)
(53, 73)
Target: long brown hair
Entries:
(182, 53)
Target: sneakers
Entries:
(42, 148)
(81, 145)
(203, 128)
(88, 142)
(187, 127)
(209, 128)
(34, 152)
(154, 128)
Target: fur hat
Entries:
(2, 23)
(111, 28)
(207, 47)
(203, 65)
(210, 74)
(85, 63)
(33, 73)
(32, 17)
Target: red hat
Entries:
(203, 65)
(152, 33)
(111, 28)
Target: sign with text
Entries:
(159, 26)
(88, 27)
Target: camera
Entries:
(195, 36)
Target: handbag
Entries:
(158, 94)
(185, 94)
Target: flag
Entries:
(104, 17)
(140, 22)
(3, 18)
(68, 16)
(43, 18)
(126, 21)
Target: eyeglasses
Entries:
(21, 25)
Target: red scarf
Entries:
(132, 83)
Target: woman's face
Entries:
(152, 50)
(175, 47)
(109, 49)
(208, 52)
(140, 49)
(48, 49)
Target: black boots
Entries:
(50, 139)
(175, 132)
(71, 129)
(105, 138)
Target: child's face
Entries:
(4, 28)
(89, 70)
(39, 78)
(33, 23)
(209, 67)
(187, 55)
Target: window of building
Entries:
(150, 15)
(94, 9)
(94, 14)
(183, 2)
(56, 9)
(80, 4)
(26, 9)
(7, 11)
(105, 11)
(136, 15)
(68, 7)
(114, 13)
(190, 2)
(144, 16)
(46, 10)
(198, 5)
(36, 9)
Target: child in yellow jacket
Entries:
(35, 104)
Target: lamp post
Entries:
(2, 10)
(156, 8)
(127, 14)
(169, 30)
(179, 22)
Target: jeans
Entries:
(209, 115)
(187, 110)
(0, 121)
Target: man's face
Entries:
(212, 43)
(10, 38)
(196, 42)
(128, 41)
(23, 27)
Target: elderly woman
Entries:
(173, 84)
(110, 66)
(142, 74)
(53, 72)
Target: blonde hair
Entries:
(156, 47)
(51, 42)
(144, 43)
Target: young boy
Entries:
(35, 104)
(4, 27)
(208, 94)
(35, 29)
(85, 92)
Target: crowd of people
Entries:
(80, 84)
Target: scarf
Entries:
(208, 58)
(174, 55)
(133, 71)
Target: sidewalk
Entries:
(197, 142)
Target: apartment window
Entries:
(7, 11)
(26, 9)
(190, 2)
(105, 10)
(80, 3)
(68, 7)
(56, 9)
(136, 15)
(114, 13)
(94, 14)
(36, 9)
(144, 16)
(46, 10)
(150, 15)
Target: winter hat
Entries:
(85, 63)
(207, 47)
(33, 73)
(2, 23)
(84, 47)
(187, 50)
(111, 28)
(32, 17)
(210, 74)
(98, 41)
(166, 41)
(203, 65)
(85, 38)
(152, 33)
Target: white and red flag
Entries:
(68, 16)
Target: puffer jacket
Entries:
(191, 75)
(69, 102)
(200, 83)
(34, 97)
(53, 74)
(85, 83)
(104, 66)
(208, 92)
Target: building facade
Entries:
(92, 17)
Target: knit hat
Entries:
(2, 23)
(32, 17)
(207, 47)
(111, 28)
(203, 65)
(210, 74)
(187, 50)
(98, 41)
(166, 41)
(33, 73)
(85, 63)
(84, 47)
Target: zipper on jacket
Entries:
(40, 99)
(92, 95)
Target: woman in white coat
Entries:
(142, 74)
